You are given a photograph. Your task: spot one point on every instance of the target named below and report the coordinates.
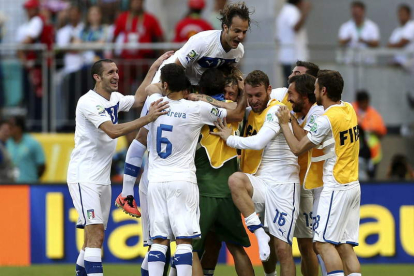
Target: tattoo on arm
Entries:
(209, 99)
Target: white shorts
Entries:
(174, 210)
(93, 203)
(282, 208)
(337, 219)
(303, 227)
(145, 219)
(259, 194)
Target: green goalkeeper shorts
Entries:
(221, 216)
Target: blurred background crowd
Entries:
(48, 46)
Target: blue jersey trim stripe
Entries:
(293, 213)
(83, 212)
(327, 221)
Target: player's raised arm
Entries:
(114, 131)
(140, 94)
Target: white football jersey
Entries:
(91, 158)
(174, 137)
(314, 112)
(279, 165)
(203, 51)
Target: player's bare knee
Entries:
(235, 249)
(283, 251)
(306, 247)
(237, 183)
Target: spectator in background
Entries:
(2, 91)
(8, 172)
(359, 32)
(192, 23)
(137, 26)
(403, 36)
(93, 32)
(26, 153)
(371, 122)
(364, 156)
(215, 15)
(134, 27)
(72, 60)
(35, 30)
(291, 34)
(400, 169)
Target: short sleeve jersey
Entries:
(314, 112)
(174, 138)
(91, 159)
(201, 52)
(369, 31)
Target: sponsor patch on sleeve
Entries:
(101, 110)
(314, 128)
(192, 55)
(215, 111)
(269, 117)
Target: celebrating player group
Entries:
(221, 145)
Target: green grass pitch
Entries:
(119, 269)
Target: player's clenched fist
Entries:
(157, 109)
(283, 114)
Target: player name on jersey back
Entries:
(174, 136)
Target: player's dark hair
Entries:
(97, 67)
(294, 2)
(212, 82)
(333, 82)
(232, 10)
(20, 121)
(362, 96)
(405, 7)
(257, 78)
(305, 85)
(358, 4)
(174, 75)
(311, 68)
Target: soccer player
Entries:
(336, 223)
(270, 173)
(303, 102)
(220, 220)
(301, 96)
(172, 191)
(95, 139)
(208, 49)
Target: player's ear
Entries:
(269, 90)
(96, 77)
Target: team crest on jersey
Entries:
(91, 214)
(192, 55)
(215, 111)
(101, 109)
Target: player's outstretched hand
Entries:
(222, 129)
(283, 114)
(161, 59)
(157, 109)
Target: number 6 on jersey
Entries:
(163, 140)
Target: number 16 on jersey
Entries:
(162, 140)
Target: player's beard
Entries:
(297, 107)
